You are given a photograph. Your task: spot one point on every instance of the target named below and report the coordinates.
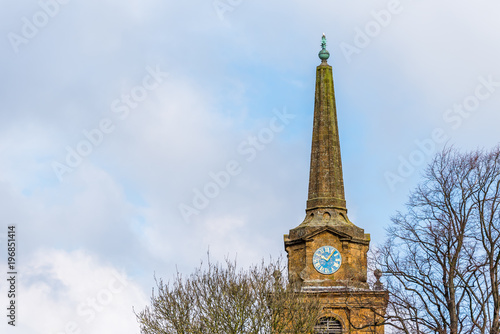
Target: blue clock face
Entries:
(327, 260)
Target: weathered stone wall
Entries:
(359, 312)
(352, 271)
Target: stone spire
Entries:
(326, 184)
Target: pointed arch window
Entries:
(328, 326)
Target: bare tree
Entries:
(223, 299)
(441, 259)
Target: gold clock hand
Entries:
(329, 256)
(324, 258)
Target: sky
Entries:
(138, 136)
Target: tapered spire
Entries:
(326, 184)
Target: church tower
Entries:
(327, 253)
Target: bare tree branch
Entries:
(442, 256)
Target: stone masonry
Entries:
(345, 295)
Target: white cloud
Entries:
(73, 292)
(121, 203)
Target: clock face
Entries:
(327, 260)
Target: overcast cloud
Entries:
(117, 115)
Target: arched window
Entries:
(328, 326)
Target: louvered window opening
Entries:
(328, 326)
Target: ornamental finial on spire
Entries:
(323, 54)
